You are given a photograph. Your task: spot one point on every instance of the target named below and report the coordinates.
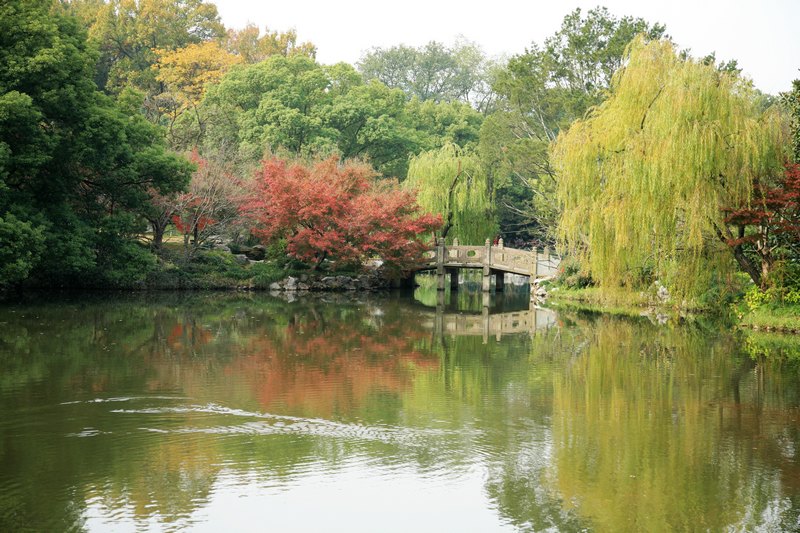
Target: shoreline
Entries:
(778, 319)
(783, 319)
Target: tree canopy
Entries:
(452, 183)
(75, 167)
(540, 93)
(432, 72)
(327, 211)
(644, 177)
(253, 47)
(295, 105)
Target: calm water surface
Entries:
(246, 412)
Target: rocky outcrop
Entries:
(539, 290)
(370, 281)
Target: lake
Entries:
(202, 412)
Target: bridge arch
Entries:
(493, 260)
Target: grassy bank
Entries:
(773, 317)
(213, 270)
(594, 299)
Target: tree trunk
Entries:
(448, 221)
(186, 246)
(158, 234)
(738, 254)
(747, 266)
(318, 263)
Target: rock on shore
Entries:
(370, 281)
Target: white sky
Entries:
(764, 36)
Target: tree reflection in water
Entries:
(595, 423)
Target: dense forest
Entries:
(141, 138)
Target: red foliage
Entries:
(767, 229)
(337, 212)
(188, 226)
(210, 203)
(774, 209)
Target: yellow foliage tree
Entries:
(252, 47)
(644, 176)
(187, 72)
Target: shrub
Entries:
(570, 275)
(266, 273)
(218, 264)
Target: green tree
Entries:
(540, 93)
(295, 105)
(432, 72)
(644, 177)
(128, 34)
(445, 122)
(276, 104)
(791, 101)
(451, 182)
(74, 166)
(21, 246)
(371, 121)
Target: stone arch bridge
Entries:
(494, 260)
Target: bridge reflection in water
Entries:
(490, 321)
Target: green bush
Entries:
(755, 298)
(218, 264)
(570, 276)
(785, 274)
(792, 296)
(722, 292)
(266, 273)
(276, 253)
(167, 275)
(129, 266)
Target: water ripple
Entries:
(273, 424)
(123, 399)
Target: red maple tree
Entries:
(768, 228)
(338, 212)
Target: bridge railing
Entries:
(547, 264)
(465, 255)
(512, 260)
(495, 257)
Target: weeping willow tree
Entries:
(453, 183)
(645, 176)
